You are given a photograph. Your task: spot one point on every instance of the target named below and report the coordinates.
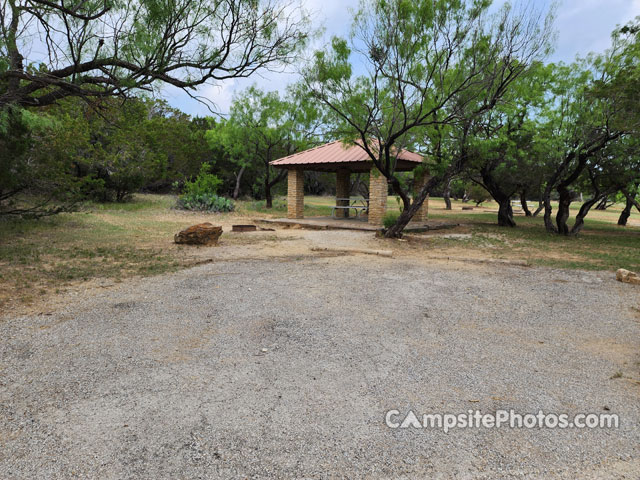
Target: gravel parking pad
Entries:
(284, 368)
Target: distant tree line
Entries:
(73, 151)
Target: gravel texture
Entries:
(284, 368)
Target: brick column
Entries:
(422, 214)
(342, 191)
(378, 189)
(295, 193)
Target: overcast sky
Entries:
(583, 26)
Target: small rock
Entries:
(201, 234)
(626, 276)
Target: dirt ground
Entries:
(45, 263)
(277, 241)
(273, 242)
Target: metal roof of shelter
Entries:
(336, 155)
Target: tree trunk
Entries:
(447, 195)
(523, 202)
(548, 209)
(539, 209)
(631, 197)
(505, 213)
(15, 57)
(267, 192)
(411, 207)
(602, 205)
(268, 198)
(584, 209)
(395, 231)
(236, 189)
(625, 214)
(564, 202)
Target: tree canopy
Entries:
(430, 65)
(98, 48)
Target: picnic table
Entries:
(358, 204)
(517, 204)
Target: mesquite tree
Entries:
(593, 106)
(428, 64)
(504, 152)
(97, 48)
(264, 126)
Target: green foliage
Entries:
(478, 194)
(433, 68)
(115, 157)
(54, 157)
(102, 48)
(201, 193)
(34, 176)
(262, 127)
(206, 202)
(206, 183)
(390, 218)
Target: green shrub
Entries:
(206, 183)
(390, 219)
(205, 202)
(479, 194)
(201, 193)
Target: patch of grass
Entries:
(313, 206)
(390, 218)
(114, 240)
(117, 240)
(137, 203)
(600, 246)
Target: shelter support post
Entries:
(378, 189)
(422, 214)
(295, 193)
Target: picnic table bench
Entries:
(517, 204)
(358, 205)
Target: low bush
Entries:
(390, 219)
(201, 193)
(206, 183)
(207, 202)
(479, 195)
